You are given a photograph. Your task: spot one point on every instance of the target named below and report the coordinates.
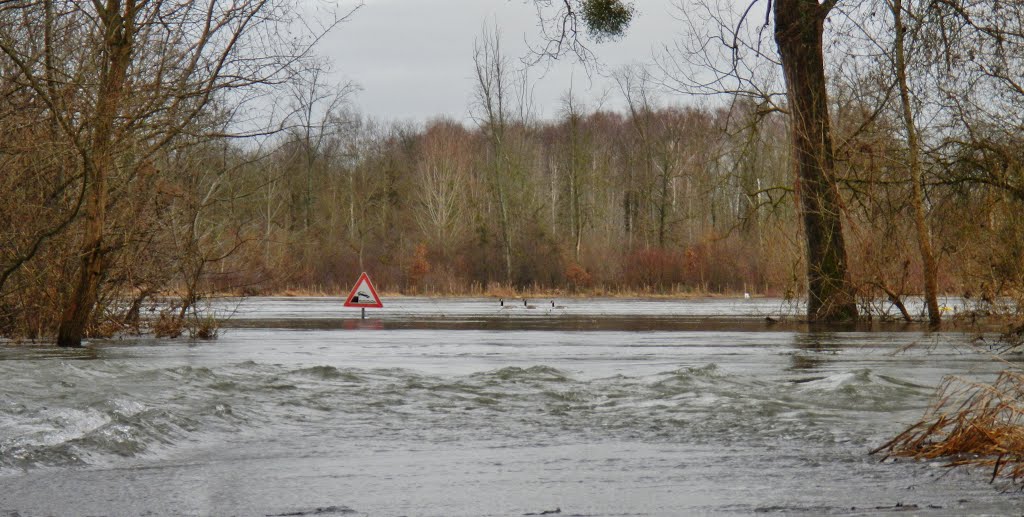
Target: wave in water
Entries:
(98, 413)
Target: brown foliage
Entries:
(577, 277)
(419, 266)
(654, 268)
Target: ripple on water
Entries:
(95, 417)
(536, 373)
(325, 372)
(860, 389)
(149, 410)
(67, 436)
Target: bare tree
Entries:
(317, 104)
(924, 239)
(499, 100)
(577, 166)
(144, 70)
(443, 171)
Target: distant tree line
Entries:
(149, 160)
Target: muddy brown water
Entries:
(457, 407)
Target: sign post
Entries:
(363, 295)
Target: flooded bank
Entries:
(461, 407)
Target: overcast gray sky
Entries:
(413, 58)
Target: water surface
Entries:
(460, 407)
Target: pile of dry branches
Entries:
(971, 423)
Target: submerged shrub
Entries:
(204, 327)
(168, 326)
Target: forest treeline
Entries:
(149, 160)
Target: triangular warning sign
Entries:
(363, 294)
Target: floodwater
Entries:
(436, 407)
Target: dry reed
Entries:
(970, 424)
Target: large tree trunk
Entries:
(924, 240)
(799, 25)
(117, 22)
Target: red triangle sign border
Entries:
(353, 294)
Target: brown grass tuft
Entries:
(971, 423)
(204, 327)
(168, 326)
